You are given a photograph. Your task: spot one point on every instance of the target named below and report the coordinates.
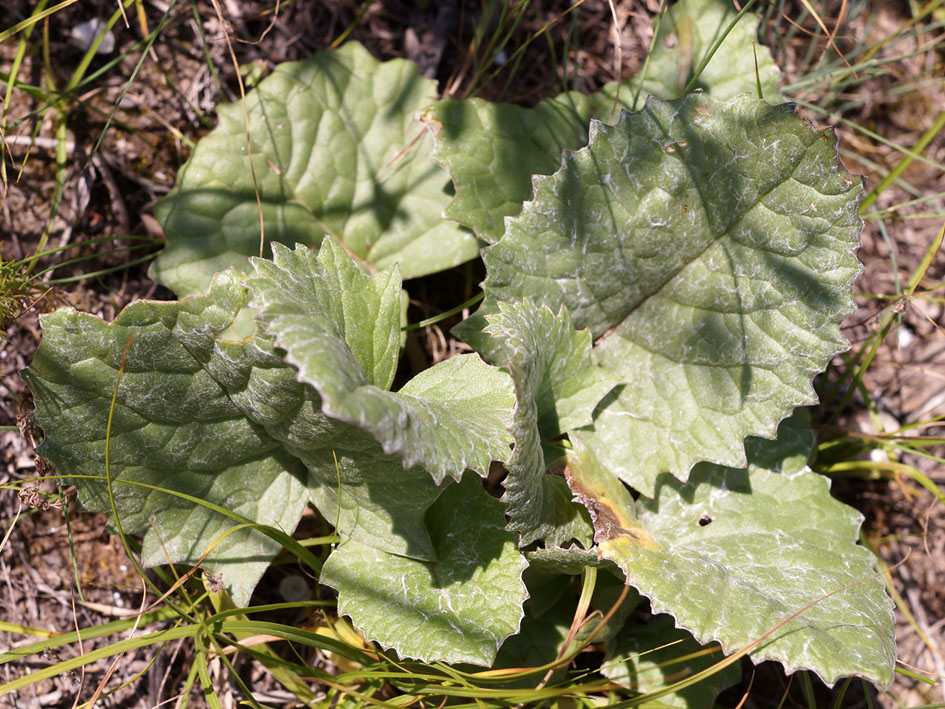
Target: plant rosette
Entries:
(653, 310)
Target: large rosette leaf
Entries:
(745, 555)
(336, 150)
(174, 426)
(456, 608)
(709, 248)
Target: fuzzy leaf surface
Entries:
(336, 150)
(458, 608)
(491, 150)
(365, 494)
(174, 426)
(709, 248)
(734, 552)
(448, 418)
(556, 388)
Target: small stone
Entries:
(85, 33)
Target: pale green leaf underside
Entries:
(647, 658)
(709, 247)
(345, 321)
(174, 427)
(491, 150)
(740, 551)
(448, 418)
(336, 150)
(570, 561)
(551, 363)
(556, 387)
(458, 608)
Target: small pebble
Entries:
(84, 34)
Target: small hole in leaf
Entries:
(705, 519)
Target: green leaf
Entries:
(344, 320)
(654, 655)
(688, 33)
(458, 608)
(222, 421)
(543, 630)
(734, 553)
(790, 451)
(174, 427)
(336, 150)
(549, 613)
(556, 388)
(448, 418)
(491, 150)
(709, 247)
